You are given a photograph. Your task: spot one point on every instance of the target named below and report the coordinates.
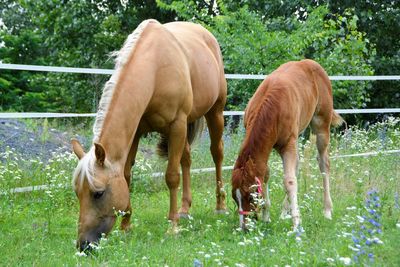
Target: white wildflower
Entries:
(330, 260)
(377, 240)
(345, 260)
(353, 248)
(80, 254)
(360, 219)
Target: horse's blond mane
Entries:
(85, 168)
(121, 58)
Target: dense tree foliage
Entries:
(346, 37)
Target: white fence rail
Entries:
(228, 76)
(202, 170)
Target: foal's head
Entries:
(102, 191)
(246, 190)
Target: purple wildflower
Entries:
(369, 226)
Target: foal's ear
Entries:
(100, 153)
(77, 148)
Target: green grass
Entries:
(39, 228)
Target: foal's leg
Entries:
(176, 143)
(285, 204)
(186, 194)
(285, 214)
(267, 206)
(265, 211)
(321, 129)
(215, 124)
(125, 222)
(289, 158)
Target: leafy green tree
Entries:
(252, 43)
(255, 37)
(64, 33)
(380, 20)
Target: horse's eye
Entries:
(98, 194)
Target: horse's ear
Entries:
(100, 153)
(77, 148)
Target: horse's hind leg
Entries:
(186, 194)
(321, 129)
(215, 124)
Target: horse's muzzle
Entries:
(94, 235)
(84, 246)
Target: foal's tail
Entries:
(194, 130)
(337, 120)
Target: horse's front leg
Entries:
(289, 158)
(265, 216)
(176, 143)
(125, 222)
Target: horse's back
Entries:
(299, 90)
(186, 63)
(206, 66)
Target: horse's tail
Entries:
(337, 120)
(194, 130)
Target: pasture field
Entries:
(39, 228)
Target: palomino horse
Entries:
(167, 78)
(287, 101)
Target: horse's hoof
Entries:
(126, 228)
(173, 230)
(224, 211)
(285, 216)
(328, 214)
(266, 220)
(183, 215)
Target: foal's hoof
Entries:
(224, 211)
(173, 230)
(184, 215)
(285, 216)
(266, 219)
(126, 227)
(328, 214)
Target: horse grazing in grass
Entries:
(167, 77)
(294, 96)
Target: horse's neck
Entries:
(126, 109)
(258, 152)
(261, 161)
